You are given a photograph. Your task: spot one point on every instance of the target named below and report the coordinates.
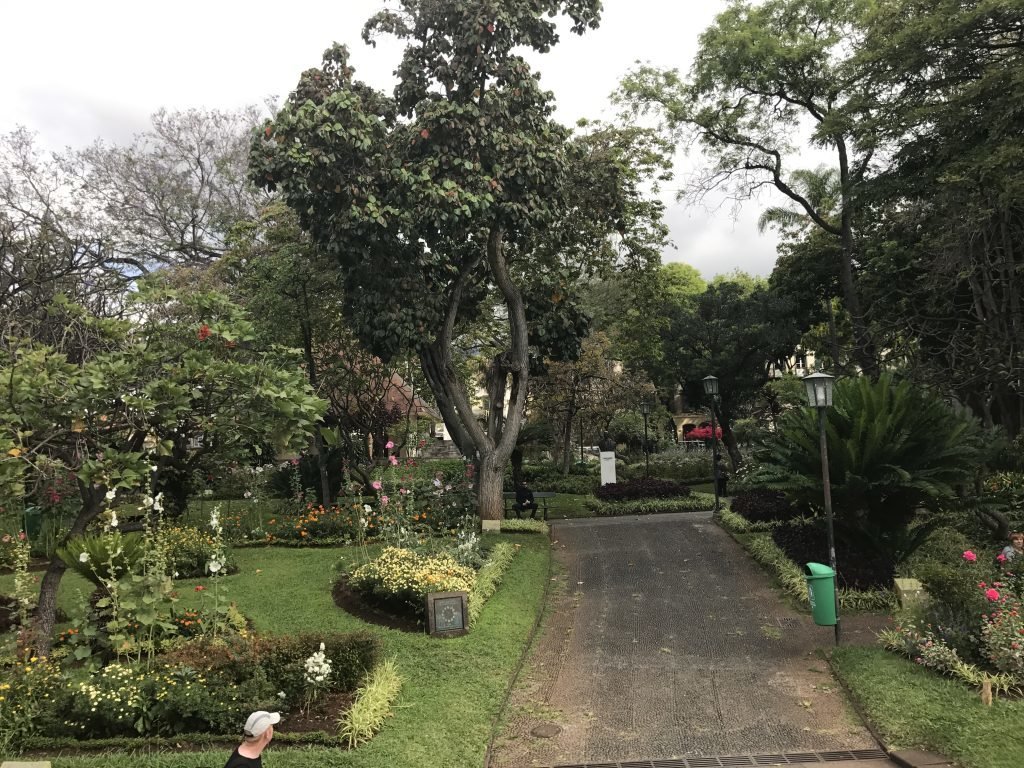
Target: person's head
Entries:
(1017, 540)
(259, 728)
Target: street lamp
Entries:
(819, 396)
(645, 409)
(711, 390)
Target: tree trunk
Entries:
(566, 441)
(46, 612)
(318, 438)
(864, 352)
(729, 437)
(490, 487)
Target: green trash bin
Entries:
(821, 590)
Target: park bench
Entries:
(541, 497)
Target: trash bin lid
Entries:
(817, 569)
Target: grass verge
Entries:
(451, 690)
(913, 708)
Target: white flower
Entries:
(158, 502)
(109, 495)
(147, 501)
(247, 495)
(175, 574)
(367, 508)
(437, 483)
(113, 519)
(214, 566)
(84, 557)
(152, 467)
(281, 695)
(207, 492)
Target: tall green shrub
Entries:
(892, 450)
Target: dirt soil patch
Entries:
(351, 602)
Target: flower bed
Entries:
(695, 502)
(972, 627)
(203, 686)
(400, 579)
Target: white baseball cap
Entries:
(258, 722)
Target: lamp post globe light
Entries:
(711, 390)
(645, 409)
(819, 396)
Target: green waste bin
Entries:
(821, 590)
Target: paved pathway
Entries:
(664, 640)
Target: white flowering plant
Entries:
(317, 674)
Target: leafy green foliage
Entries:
(893, 449)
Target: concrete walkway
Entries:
(664, 641)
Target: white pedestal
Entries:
(607, 467)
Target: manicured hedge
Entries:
(695, 502)
(642, 488)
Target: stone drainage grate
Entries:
(731, 761)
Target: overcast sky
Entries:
(75, 71)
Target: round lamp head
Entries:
(819, 389)
(711, 385)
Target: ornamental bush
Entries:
(189, 550)
(893, 449)
(642, 488)
(400, 579)
(971, 626)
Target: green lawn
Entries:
(913, 707)
(453, 688)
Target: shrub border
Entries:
(765, 551)
(695, 502)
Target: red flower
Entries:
(992, 594)
(969, 556)
(204, 332)
(200, 588)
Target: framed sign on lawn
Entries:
(447, 613)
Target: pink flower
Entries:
(376, 485)
(403, 491)
(393, 460)
(992, 594)
(383, 501)
(1000, 558)
(389, 445)
(969, 556)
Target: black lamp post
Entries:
(819, 396)
(645, 409)
(711, 390)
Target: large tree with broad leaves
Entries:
(457, 189)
